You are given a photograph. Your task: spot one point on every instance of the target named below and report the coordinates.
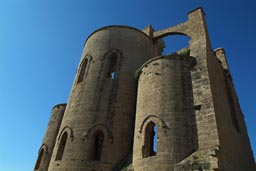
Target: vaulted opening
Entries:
(61, 146)
(150, 145)
(112, 66)
(39, 159)
(97, 146)
(82, 71)
(174, 43)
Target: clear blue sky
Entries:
(41, 42)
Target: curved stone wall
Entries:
(46, 150)
(99, 103)
(165, 98)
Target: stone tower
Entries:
(46, 149)
(180, 112)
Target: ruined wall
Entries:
(46, 149)
(195, 109)
(165, 98)
(199, 45)
(101, 102)
(235, 150)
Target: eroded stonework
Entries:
(179, 112)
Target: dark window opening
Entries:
(150, 146)
(112, 66)
(61, 146)
(82, 71)
(98, 143)
(39, 159)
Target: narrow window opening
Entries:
(61, 146)
(112, 66)
(113, 75)
(39, 159)
(82, 71)
(150, 146)
(98, 142)
(155, 139)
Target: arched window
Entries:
(97, 146)
(82, 70)
(112, 66)
(39, 159)
(61, 146)
(150, 145)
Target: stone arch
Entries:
(41, 154)
(176, 44)
(148, 133)
(180, 29)
(152, 118)
(150, 142)
(97, 138)
(61, 146)
(43, 146)
(176, 39)
(99, 126)
(107, 84)
(103, 79)
(112, 63)
(116, 51)
(68, 130)
(97, 144)
(83, 68)
(195, 28)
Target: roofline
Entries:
(196, 10)
(115, 26)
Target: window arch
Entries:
(39, 159)
(150, 141)
(112, 67)
(98, 139)
(82, 70)
(62, 145)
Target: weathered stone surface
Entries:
(46, 150)
(109, 118)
